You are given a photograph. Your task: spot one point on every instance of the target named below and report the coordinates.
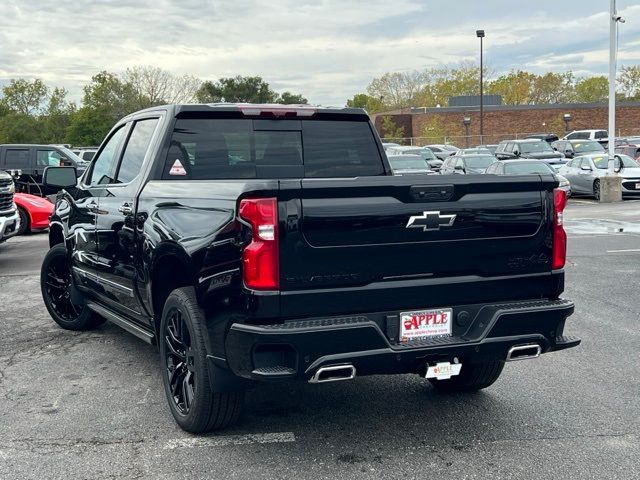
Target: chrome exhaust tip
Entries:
(524, 352)
(334, 373)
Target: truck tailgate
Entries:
(342, 233)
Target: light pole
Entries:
(467, 121)
(613, 47)
(567, 118)
(480, 35)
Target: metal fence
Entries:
(465, 141)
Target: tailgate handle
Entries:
(431, 193)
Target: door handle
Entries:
(92, 207)
(125, 209)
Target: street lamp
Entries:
(480, 35)
(467, 121)
(567, 118)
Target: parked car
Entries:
(632, 150)
(598, 135)
(443, 151)
(475, 151)
(547, 137)
(528, 167)
(572, 148)
(85, 153)
(29, 162)
(34, 212)
(491, 148)
(299, 258)
(389, 145)
(409, 165)
(532, 148)
(9, 218)
(466, 164)
(423, 152)
(584, 174)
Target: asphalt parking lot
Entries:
(91, 405)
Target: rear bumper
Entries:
(297, 349)
(9, 225)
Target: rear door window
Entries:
(243, 148)
(17, 158)
(48, 158)
(136, 149)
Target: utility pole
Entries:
(480, 35)
(613, 26)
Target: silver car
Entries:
(423, 152)
(584, 174)
(409, 165)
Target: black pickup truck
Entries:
(261, 243)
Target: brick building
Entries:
(430, 125)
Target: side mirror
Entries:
(617, 165)
(60, 177)
(568, 153)
(516, 153)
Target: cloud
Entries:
(327, 50)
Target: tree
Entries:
(56, 117)
(236, 89)
(396, 90)
(390, 129)
(24, 96)
(592, 89)
(515, 87)
(158, 86)
(288, 98)
(553, 88)
(629, 80)
(362, 100)
(19, 128)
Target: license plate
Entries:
(422, 324)
(444, 370)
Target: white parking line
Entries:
(624, 251)
(224, 440)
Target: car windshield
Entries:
(424, 153)
(71, 155)
(590, 146)
(602, 162)
(481, 151)
(535, 147)
(481, 161)
(402, 163)
(527, 168)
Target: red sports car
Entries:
(34, 212)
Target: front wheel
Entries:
(56, 287)
(25, 225)
(196, 407)
(472, 377)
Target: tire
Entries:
(55, 286)
(596, 189)
(185, 371)
(472, 377)
(25, 223)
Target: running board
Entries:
(121, 322)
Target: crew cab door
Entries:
(116, 222)
(84, 207)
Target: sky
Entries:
(327, 50)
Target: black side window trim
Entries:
(132, 123)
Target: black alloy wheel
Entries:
(56, 285)
(24, 222)
(180, 368)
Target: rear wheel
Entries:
(25, 223)
(596, 189)
(56, 288)
(472, 377)
(195, 406)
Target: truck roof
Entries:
(255, 109)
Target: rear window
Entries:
(206, 149)
(527, 168)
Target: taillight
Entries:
(559, 235)
(260, 258)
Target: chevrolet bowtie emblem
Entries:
(430, 221)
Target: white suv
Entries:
(599, 135)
